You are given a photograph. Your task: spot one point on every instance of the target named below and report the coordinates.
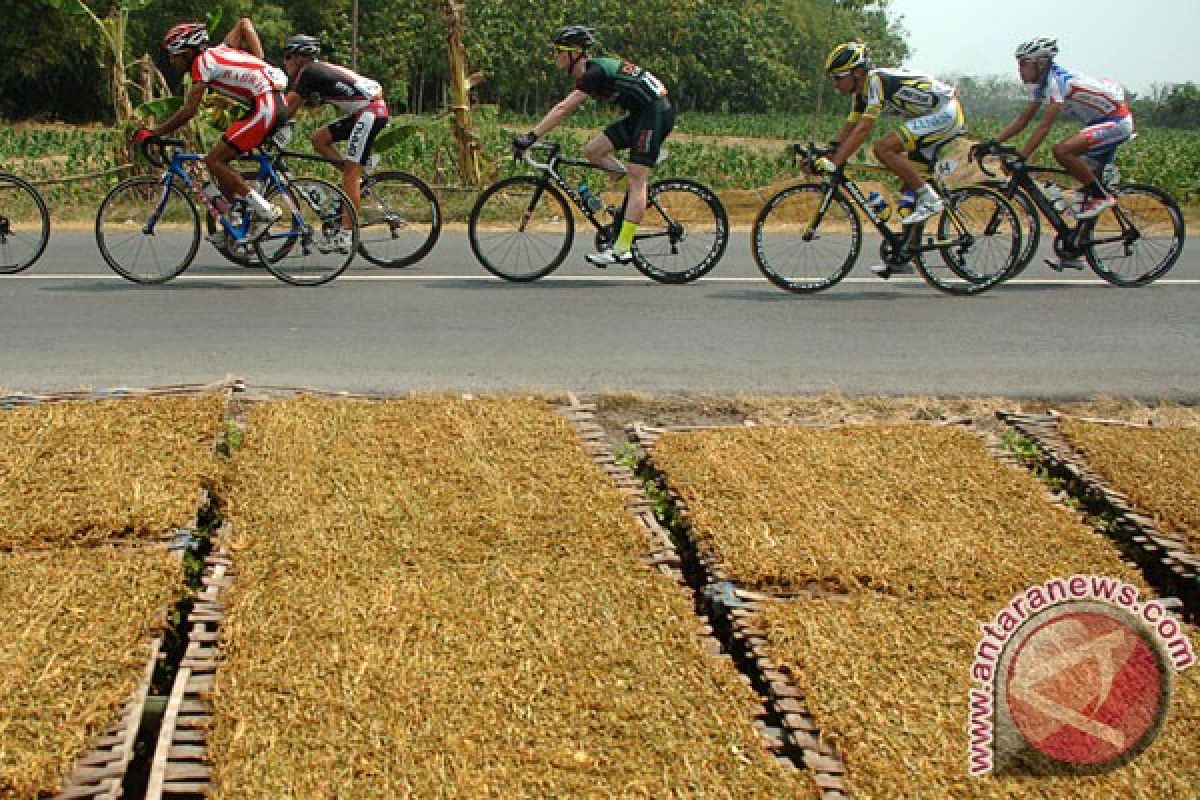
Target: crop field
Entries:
(440, 596)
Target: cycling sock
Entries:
(625, 237)
(257, 202)
(925, 192)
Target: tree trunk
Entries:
(466, 139)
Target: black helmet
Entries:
(302, 45)
(575, 36)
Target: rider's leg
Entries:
(892, 150)
(1069, 152)
(1097, 144)
(217, 162)
(600, 150)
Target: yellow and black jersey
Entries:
(900, 93)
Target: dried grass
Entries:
(913, 511)
(888, 682)
(77, 625)
(1158, 469)
(441, 598)
(82, 473)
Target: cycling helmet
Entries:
(845, 57)
(185, 35)
(1041, 47)
(575, 36)
(301, 45)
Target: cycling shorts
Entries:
(1104, 136)
(360, 130)
(250, 131)
(643, 132)
(924, 136)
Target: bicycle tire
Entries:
(314, 210)
(21, 247)
(784, 254)
(1027, 214)
(683, 234)
(506, 219)
(401, 231)
(1162, 233)
(121, 233)
(966, 270)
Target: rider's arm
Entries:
(849, 143)
(191, 104)
(1018, 124)
(244, 37)
(294, 103)
(1042, 130)
(556, 115)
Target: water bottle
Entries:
(908, 201)
(593, 202)
(215, 196)
(1055, 195)
(879, 205)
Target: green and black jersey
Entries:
(901, 93)
(620, 82)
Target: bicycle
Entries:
(137, 210)
(24, 224)
(808, 236)
(1146, 221)
(399, 218)
(521, 228)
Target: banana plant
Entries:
(111, 29)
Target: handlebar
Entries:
(1010, 156)
(152, 148)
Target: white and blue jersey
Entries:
(1083, 97)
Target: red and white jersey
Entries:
(1086, 98)
(237, 74)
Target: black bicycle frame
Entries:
(1072, 235)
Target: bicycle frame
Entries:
(1074, 236)
(549, 173)
(176, 170)
(908, 240)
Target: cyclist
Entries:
(649, 122)
(932, 115)
(1098, 103)
(235, 69)
(314, 82)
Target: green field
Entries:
(726, 151)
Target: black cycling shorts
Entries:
(643, 132)
(360, 131)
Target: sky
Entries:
(1134, 42)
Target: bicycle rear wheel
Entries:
(399, 219)
(979, 240)
(1140, 240)
(147, 233)
(521, 228)
(24, 224)
(799, 247)
(1030, 219)
(299, 248)
(683, 233)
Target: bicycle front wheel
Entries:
(804, 242)
(24, 224)
(683, 233)
(147, 232)
(1138, 240)
(521, 228)
(302, 247)
(978, 241)
(399, 219)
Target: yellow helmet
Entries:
(845, 57)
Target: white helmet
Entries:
(1041, 47)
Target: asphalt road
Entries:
(445, 324)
